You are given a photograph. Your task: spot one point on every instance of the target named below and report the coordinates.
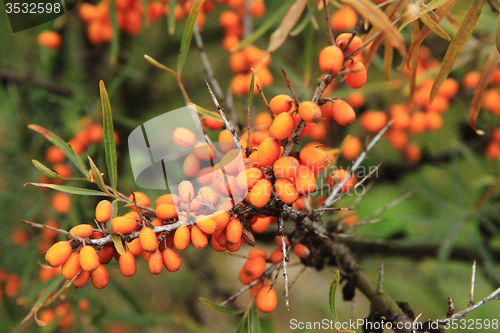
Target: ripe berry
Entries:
(89, 260)
(171, 260)
(351, 148)
(309, 112)
(344, 38)
(198, 238)
(106, 253)
(61, 203)
(233, 231)
(206, 224)
(99, 277)
(413, 152)
(71, 267)
(418, 123)
(257, 253)
(82, 230)
(331, 59)
(103, 211)
(301, 250)
(282, 126)
(338, 177)
(434, 121)
(357, 77)
(168, 199)
(342, 112)
(191, 165)
(248, 178)
(280, 104)
(155, 262)
(147, 238)
(82, 279)
(286, 167)
(58, 253)
(166, 212)
(49, 39)
(254, 268)
(305, 182)
(266, 299)
(286, 191)
(269, 152)
(276, 256)
(314, 158)
(123, 225)
(184, 137)
(127, 264)
(261, 193)
(186, 191)
(212, 123)
(373, 121)
(182, 238)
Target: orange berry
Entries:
(402, 120)
(47, 316)
(357, 77)
(344, 19)
(373, 121)
(203, 151)
(356, 99)
(235, 247)
(254, 268)
(147, 238)
(155, 262)
(99, 277)
(106, 253)
(331, 59)
(314, 158)
(278, 243)
(344, 38)
(155, 11)
(449, 88)
(123, 225)
(135, 247)
(83, 305)
(72, 266)
(255, 288)
(305, 181)
(233, 231)
(81, 280)
(286, 191)
(89, 260)
(49, 39)
(58, 253)
(276, 256)
(206, 224)
(226, 142)
(398, 139)
(184, 137)
(440, 104)
(127, 264)
(141, 198)
(301, 250)
(257, 8)
(221, 218)
(320, 130)
(231, 162)
(20, 237)
(229, 19)
(182, 238)
(82, 230)
(55, 155)
(103, 211)
(61, 203)
(168, 199)
(309, 112)
(281, 103)
(434, 121)
(171, 260)
(338, 176)
(286, 167)
(491, 100)
(269, 151)
(186, 191)
(495, 135)
(471, 79)
(248, 178)
(261, 193)
(309, 126)
(342, 112)
(418, 123)
(261, 224)
(166, 212)
(352, 148)
(191, 166)
(493, 150)
(413, 152)
(257, 253)
(282, 126)
(198, 238)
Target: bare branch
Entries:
(473, 283)
(284, 262)
(289, 84)
(265, 100)
(329, 33)
(380, 286)
(64, 232)
(451, 308)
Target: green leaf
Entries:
(51, 173)
(250, 90)
(380, 21)
(308, 54)
(279, 36)
(332, 296)
(41, 300)
(265, 26)
(388, 56)
(70, 189)
(488, 69)
(115, 41)
(115, 209)
(188, 34)
(109, 136)
(498, 33)
(65, 147)
(117, 240)
(253, 320)
(171, 18)
(457, 44)
(243, 324)
(207, 113)
(221, 308)
(304, 23)
(434, 27)
(158, 65)
(96, 176)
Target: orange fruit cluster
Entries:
(491, 99)
(61, 312)
(49, 39)
(241, 62)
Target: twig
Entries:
(451, 308)
(389, 205)
(64, 232)
(297, 277)
(380, 286)
(289, 84)
(229, 126)
(462, 313)
(473, 283)
(329, 201)
(284, 262)
(25, 79)
(265, 101)
(239, 292)
(324, 209)
(329, 33)
(415, 322)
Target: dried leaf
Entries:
(380, 21)
(415, 28)
(427, 8)
(388, 56)
(435, 28)
(488, 69)
(425, 31)
(291, 17)
(457, 44)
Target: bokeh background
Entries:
(429, 241)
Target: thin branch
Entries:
(329, 33)
(297, 277)
(289, 84)
(239, 292)
(265, 101)
(329, 201)
(229, 126)
(472, 283)
(380, 286)
(389, 206)
(25, 79)
(284, 262)
(64, 232)
(451, 308)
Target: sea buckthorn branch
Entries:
(329, 32)
(289, 84)
(284, 261)
(227, 123)
(265, 100)
(62, 231)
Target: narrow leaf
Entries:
(379, 20)
(115, 41)
(96, 176)
(434, 27)
(498, 33)
(115, 209)
(47, 292)
(332, 296)
(254, 321)
(69, 189)
(415, 29)
(250, 90)
(171, 18)
(428, 7)
(118, 243)
(264, 27)
(457, 44)
(279, 36)
(388, 56)
(425, 31)
(243, 324)
(305, 21)
(51, 173)
(109, 136)
(488, 69)
(188, 34)
(221, 308)
(207, 113)
(158, 65)
(66, 148)
(308, 54)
